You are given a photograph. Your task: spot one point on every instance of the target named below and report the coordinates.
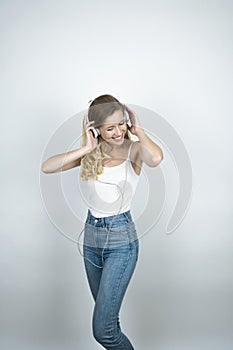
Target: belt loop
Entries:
(88, 217)
(126, 216)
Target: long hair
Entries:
(99, 109)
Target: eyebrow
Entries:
(109, 126)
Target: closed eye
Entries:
(122, 123)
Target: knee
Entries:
(102, 336)
(99, 334)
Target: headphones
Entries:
(96, 131)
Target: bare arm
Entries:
(64, 161)
(149, 152)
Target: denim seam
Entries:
(118, 285)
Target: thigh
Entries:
(94, 273)
(119, 265)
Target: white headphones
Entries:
(96, 132)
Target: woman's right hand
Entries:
(91, 142)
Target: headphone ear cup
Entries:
(95, 132)
(127, 118)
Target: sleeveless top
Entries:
(112, 193)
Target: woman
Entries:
(109, 160)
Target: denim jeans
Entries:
(109, 277)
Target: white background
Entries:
(173, 57)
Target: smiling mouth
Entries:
(117, 138)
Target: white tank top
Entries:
(114, 196)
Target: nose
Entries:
(118, 131)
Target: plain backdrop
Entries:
(173, 57)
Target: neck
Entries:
(118, 147)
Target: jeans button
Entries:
(96, 220)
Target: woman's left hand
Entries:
(136, 127)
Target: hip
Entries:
(112, 231)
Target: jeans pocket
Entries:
(117, 223)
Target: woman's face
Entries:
(114, 128)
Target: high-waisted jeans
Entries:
(109, 276)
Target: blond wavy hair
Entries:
(99, 109)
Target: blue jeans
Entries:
(109, 277)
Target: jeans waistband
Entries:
(118, 219)
(102, 231)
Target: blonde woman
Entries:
(110, 168)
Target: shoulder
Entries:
(134, 148)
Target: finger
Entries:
(88, 124)
(89, 132)
(129, 109)
(85, 118)
(132, 111)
